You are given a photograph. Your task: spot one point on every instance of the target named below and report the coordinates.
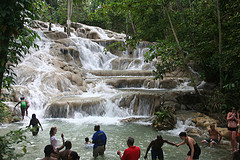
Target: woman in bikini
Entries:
(233, 118)
(194, 151)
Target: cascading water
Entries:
(69, 84)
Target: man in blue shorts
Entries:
(156, 148)
(99, 140)
(213, 133)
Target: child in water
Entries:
(88, 143)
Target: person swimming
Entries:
(88, 143)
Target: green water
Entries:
(76, 130)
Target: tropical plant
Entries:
(9, 142)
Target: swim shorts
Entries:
(156, 154)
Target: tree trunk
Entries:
(202, 62)
(50, 11)
(69, 3)
(182, 53)
(126, 27)
(76, 12)
(133, 27)
(4, 43)
(219, 44)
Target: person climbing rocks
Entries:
(24, 105)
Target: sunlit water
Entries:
(76, 130)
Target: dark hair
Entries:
(74, 155)
(52, 131)
(97, 127)
(68, 144)
(48, 150)
(33, 116)
(182, 134)
(130, 141)
(22, 98)
(86, 139)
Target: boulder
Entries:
(168, 84)
(55, 35)
(203, 121)
(93, 35)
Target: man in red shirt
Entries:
(132, 153)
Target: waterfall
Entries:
(58, 82)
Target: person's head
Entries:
(97, 127)
(21, 98)
(33, 116)
(159, 138)
(48, 150)
(53, 131)
(212, 126)
(183, 135)
(73, 156)
(68, 144)
(130, 141)
(86, 139)
(234, 110)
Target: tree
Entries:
(15, 36)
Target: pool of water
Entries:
(76, 130)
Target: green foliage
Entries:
(4, 112)
(162, 115)
(9, 142)
(168, 55)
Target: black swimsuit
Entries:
(197, 151)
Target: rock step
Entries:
(121, 72)
(140, 102)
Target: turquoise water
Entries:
(76, 130)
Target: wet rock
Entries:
(67, 106)
(193, 131)
(204, 121)
(168, 84)
(55, 35)
(206, 86)
(137, 119)
(93, 35)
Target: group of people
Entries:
(99, 140)
(53, 152)
(133, 152)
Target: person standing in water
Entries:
(34, 122)
(194, 151)
(54, 141)
(156, 148)
(131, 153)
(233, 118)
(63, 155)
(99, 140)
(24, 105)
